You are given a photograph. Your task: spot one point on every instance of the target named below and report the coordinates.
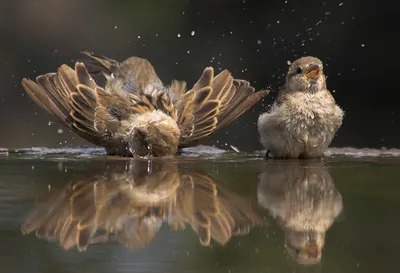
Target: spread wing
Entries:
(213, 103)
(74, 99)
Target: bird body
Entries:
(304, 118)
(129, 203)
(302, 197)
(135, 113)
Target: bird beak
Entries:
(142, 131)
(312, 250)
(313, 72)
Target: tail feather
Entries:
(99, 65)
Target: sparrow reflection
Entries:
(302, 197)
(129, 206)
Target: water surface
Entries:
(80, 211)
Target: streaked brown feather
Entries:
(52, 92)
(39, 96)
(205, 79)
(68, 77)
(241, 106)
(110, 110)
(219, 98)
(88, 94)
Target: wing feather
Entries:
(74, 99)
(213, 103)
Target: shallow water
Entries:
(204, 211)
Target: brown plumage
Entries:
(135, 114)
(124, 206)
(302, 197)
(304, 118)
(212, 211)
(131, 206)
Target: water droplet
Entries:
(178, 35)
(49, 123)
(341, 4)
(131, 149)
(188, 52)
(60, 131)
(115, 27)
(289, 62)
(138, 37)
(362, 45)
(278, 22)
(259, 42)
(192, 33)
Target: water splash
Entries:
(201, 151)
(150, 149)
(149, 166)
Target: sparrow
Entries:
(130, 202)
(135, 113)
(304, 201)
(304, 118)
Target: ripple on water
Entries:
(198, 151)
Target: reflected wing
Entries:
(127, 207)
(67, 216)
(211, 211)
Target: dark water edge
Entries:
(346, 205)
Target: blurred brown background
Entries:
(253, 39)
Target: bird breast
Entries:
(310, 118)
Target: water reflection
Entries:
(131, 201)
(302, 197)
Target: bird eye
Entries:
(298, 70)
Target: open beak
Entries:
(313, 72)
(312, 250)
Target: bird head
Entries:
(157, 138)
(304, 247)
(306, 75)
